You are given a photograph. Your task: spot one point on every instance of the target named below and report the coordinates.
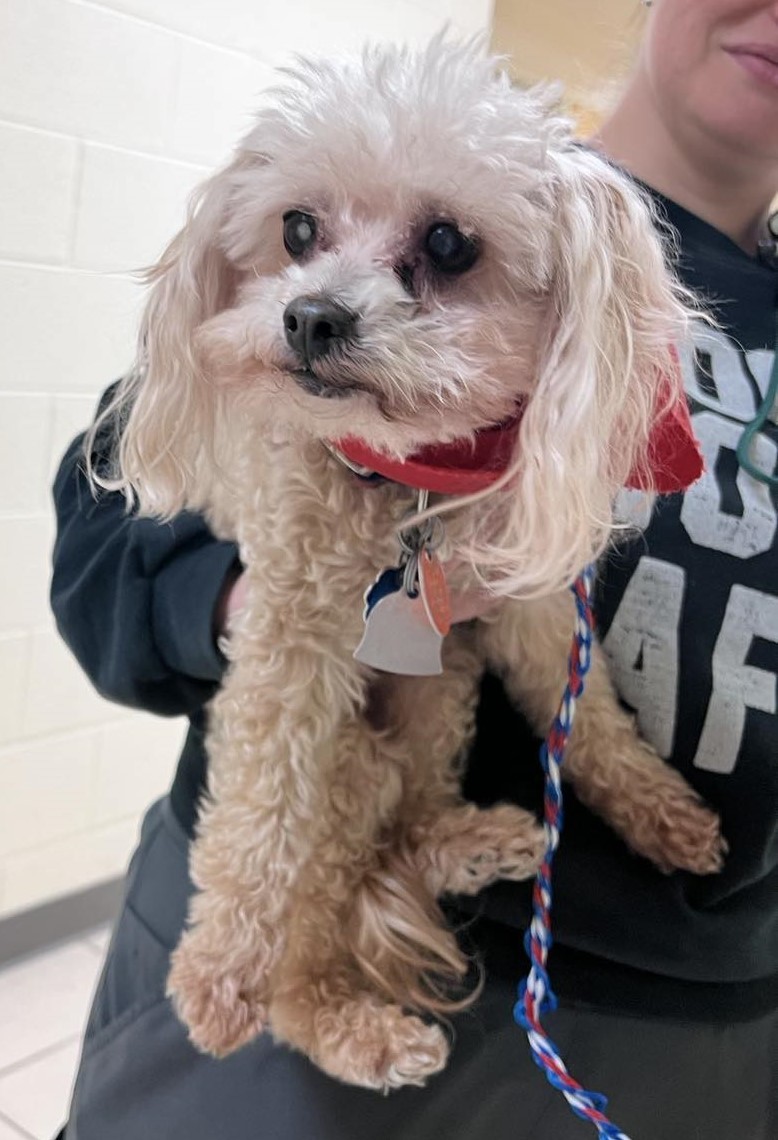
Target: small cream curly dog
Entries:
(402, 249)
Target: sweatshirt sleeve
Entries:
(134, 599)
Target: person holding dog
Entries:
(668, 985)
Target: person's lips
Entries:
(759, 60)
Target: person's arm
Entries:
(136, 600)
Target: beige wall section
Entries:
(587, 44)
(110, 112)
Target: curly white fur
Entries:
(333, 818)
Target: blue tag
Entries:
(387, 582)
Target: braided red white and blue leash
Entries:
(535, 993)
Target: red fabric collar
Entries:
(461, 467)
(464, 467)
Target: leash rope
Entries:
(535, 993)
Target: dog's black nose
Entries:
(316, 325)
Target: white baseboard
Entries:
(59, 920)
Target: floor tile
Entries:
(37, 1094)
(44, 1000)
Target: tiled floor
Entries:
(43, 1005)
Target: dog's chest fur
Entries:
(312, 535)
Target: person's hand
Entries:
(231, 601)
(468, 601)
(469, 604)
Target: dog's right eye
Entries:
(299, 232)
(450, 251)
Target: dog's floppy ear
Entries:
(166, 407)
(615, 313)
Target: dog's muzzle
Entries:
(315, 328)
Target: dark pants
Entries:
(139, 1078)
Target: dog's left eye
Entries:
(299, 232)
(449, 250)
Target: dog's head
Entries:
(403, 248)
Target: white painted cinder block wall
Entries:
(110, 112)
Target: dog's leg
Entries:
(616, 773)
(242, 863)
(459, 847)
(361, 928)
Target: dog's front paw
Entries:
(377, 1046)
(676, 830)
(467, 848)
(219, 1008)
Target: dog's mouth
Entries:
(325, 389)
